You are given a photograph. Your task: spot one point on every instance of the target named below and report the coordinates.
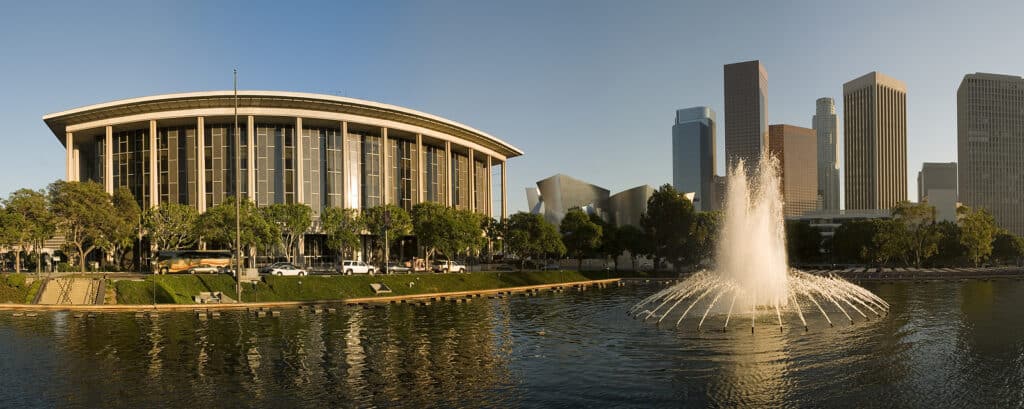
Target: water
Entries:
(751, 276)
(943, 344)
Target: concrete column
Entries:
(488, 189)
(420, 169)
(299, 177)
(251, 157)
(504, 209)
(448, 174)
(472, 181)
(344, 164)
(76, 165)
(108, 161)
(385, 184)
(154, 170)
(201, 164)
(69, 159)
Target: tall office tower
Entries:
(936, 184)
(827, 128)
(746, 113)
(875, 126)
(796, 149)
(693, 155)
(990, 146)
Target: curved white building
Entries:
(320, 150)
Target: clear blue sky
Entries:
(585, 88)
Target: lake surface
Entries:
(943, 344)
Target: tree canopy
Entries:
(171, 226)
(84, 214)
(217, 226)
(292, 220)
(400, 224)
(529, 235)
(342, 227)
(667, 224)
(27, 222)
(580, 235)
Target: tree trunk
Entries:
(17, 260)
(81, 258)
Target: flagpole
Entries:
(238, 198)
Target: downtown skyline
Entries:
(541, 86)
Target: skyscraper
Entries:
(875, 125)
(936, 184)
(693, 155)
(827, 129)
(990, 146)
(746, 112)
(796, 150)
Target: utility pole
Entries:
(238, 198)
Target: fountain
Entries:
(752, 276)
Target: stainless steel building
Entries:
(320, 150)
(555, 196)
(628, 206)
(746, 112)
(826, 127)
(693, 155)
(875, 126)
(990, 146)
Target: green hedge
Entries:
(14, 290)
(179, 289)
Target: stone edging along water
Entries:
(286, 304)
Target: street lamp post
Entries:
(238, 198)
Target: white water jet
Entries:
(751, 264)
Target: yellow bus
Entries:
(193, 261)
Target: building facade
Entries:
(796, 150)
(319, 150)
(746, 113)
(693, 155)
(826, 126)
(875, 129)
(990, 146)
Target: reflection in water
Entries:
(943, 344)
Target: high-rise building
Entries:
(796, 150)
(936, 184)
(990, 146)
(693, 155)
(746, 113)
(875, 129)
(827, 128)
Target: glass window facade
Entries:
(370, 163)
(275, 164)
(130, 163)
(435, 184)
(219, 149)
(480, 186)
(460, 181)
(402, 172)
(176, 161)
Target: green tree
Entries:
(467, 233)
(84, 214)
(891, 241)
(667, 224)
(580, 235)
(634, 241)
(292, 220)
(171, 226)
(400, 225)
(802, 241)
(27, 223)
(950, 251)
(431, 222)
(124, 229)
(530, 236)
(217, 227)
(611, 244)
(1008, 247)
(342, 227)
(977, 231)
(918, 220)
(704, 235)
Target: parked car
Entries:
(349, 267)
(505, 268)
(397, 268)
(551, 267)
(287, 269)
(449, 267)
(269, 267)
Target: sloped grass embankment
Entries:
(179, 289)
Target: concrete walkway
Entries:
(70, 291)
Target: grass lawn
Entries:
(179, 289)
